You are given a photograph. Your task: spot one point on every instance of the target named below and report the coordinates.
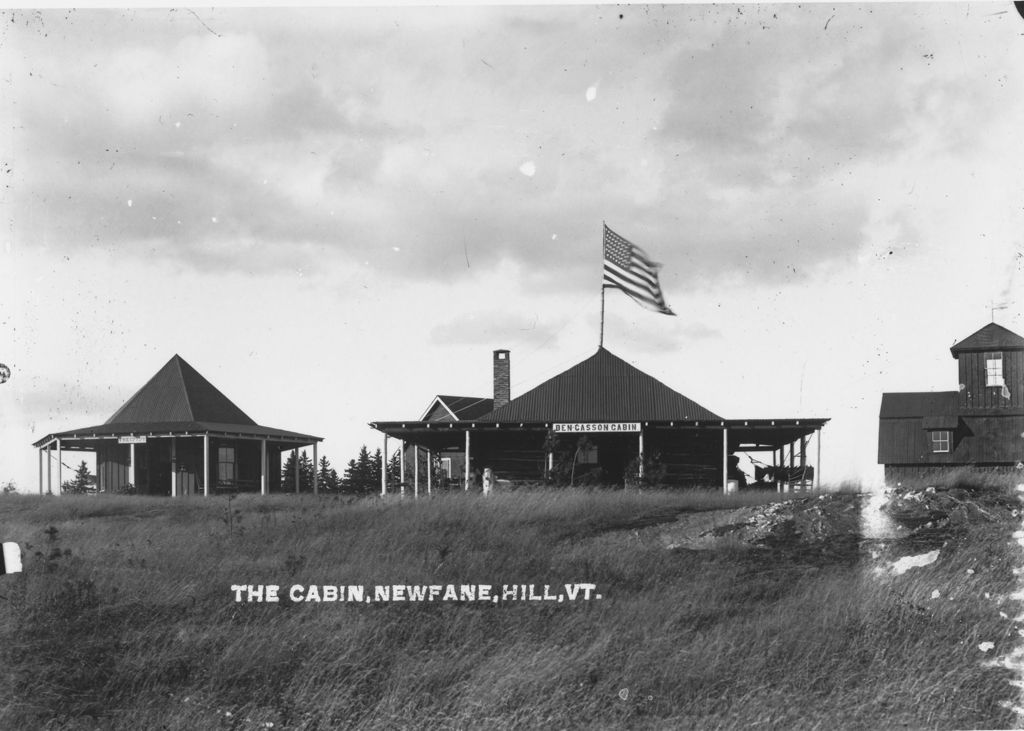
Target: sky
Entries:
(335, 214)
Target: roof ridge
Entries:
(178, 360)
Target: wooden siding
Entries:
(112, 467)
(978, 439)
(976, 395)
(896, 474)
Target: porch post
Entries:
(640, 454)
(401, 466)
(206, 465)
(430, 470)
(263, 467)
(49, 470)
(316, 485)
(415, 470)
(174, 466)
(60, 469)
(131, 464)
(384, 468)
(466, 469)
(775, 477)
(789, 472)
(295, 468)
(725, 459)
(817, 463)
(803, 464)
(41, 470)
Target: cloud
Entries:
(739, 145)
(494, 328)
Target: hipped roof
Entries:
(179, 400)
(602, 388)
(178, 393)
(990, 337)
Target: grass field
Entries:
(124, 617)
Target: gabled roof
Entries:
(602, 388)
(458, 408)
(913, 405)
(990, 337)
(178, 393)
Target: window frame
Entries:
(994, 377)
(939, 437)
(232, 463)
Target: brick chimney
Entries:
(502, 384)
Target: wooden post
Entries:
(295, 469)
(725, 459)
(316, 476)
(60, 469)
(263, 467)
(174, 466)
(430, 470)
(206, 465)
(41, 470)
(803, 464)
(640, 469)
(789, 472)
(817, 463)
(131, 464)
(466, 469)
(384, 468)
(775, 477)
(49, 469)
(401, 467)
(415, 470)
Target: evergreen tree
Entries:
(82, 482)
(327, 476)
(306, 471)
(360, 477)
(395, 468)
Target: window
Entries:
(940, 441)
(587, 455)
(994, 369)
(225, 464)
(446, 466)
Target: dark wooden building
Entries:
(602, 415)
(979, 425)
(178, 435)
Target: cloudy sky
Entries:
(335, 214)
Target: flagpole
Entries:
(600, 342)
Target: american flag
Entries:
(628, 268)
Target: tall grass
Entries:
(125, 616)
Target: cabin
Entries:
(980, 425)
(178, 435)
(602, 421)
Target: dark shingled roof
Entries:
(928, 403)
(601, 388)
(178, 393)
(179, 400)
(990, 337)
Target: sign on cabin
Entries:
(598, 427)
(131, 440)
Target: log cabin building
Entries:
(178, 435)
(602, 417)
(980, 425)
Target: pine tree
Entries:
(327, 476)
(395, 468)
(82, 482)
(360, 477)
